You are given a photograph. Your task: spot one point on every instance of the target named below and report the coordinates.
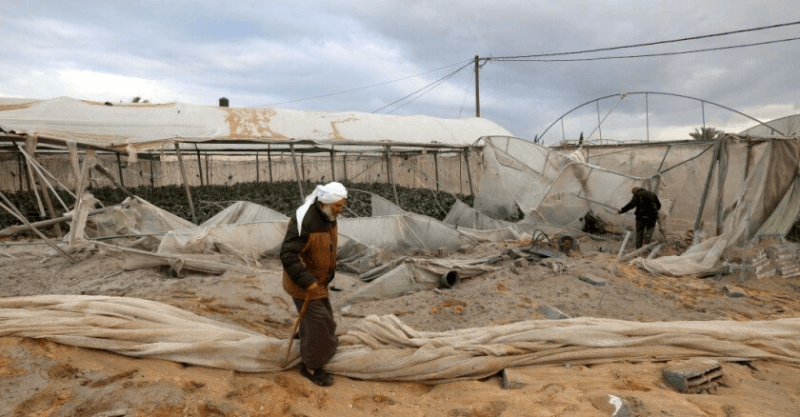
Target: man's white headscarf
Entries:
(327, 194)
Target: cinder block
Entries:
(694, 376)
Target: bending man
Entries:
(647, 207)
(308, 255)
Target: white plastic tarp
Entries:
(119, 125)
(242, 212)
(385, 349)
(407, 274)
(133, 216)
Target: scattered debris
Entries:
(568, 243)
(552, 313)
(764, 267)
(612, 405)
(735, 292)
(637, 252)
(694, 376)
(593, 280)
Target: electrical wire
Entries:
(429, 86)
(649, 55)
(650, 43)
(364, 87)
(469, 88)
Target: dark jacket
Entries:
(311, 255)
(646, 203)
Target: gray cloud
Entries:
(258, 53)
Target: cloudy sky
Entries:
(416, 57)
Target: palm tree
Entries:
(706, 133)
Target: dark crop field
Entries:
(282, 196)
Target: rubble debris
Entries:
(593, 224)
(785, 261)
(543, 252)
(568, 243)
(593, 280)
(612, 405)
(519, 265)
(552, 313)
(637, 252)
(516, 378)
(764, 266)
(556, 264)
(735, 292)
(694, 376)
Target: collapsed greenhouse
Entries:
(723, 194)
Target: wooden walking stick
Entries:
(296, 326)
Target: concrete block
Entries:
(593, 280)
(444, 252)
(552, 313)
(694, 376)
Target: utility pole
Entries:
(477, 88)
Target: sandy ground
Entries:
(42, 378)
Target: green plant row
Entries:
(283, 197)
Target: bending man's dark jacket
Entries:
(646, 203)
(311, 255)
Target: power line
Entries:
(363, 88)
(429, 87)
(649, 43)
(649, 55)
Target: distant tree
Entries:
(136, 99)
(706, 133)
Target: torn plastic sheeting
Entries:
(408, 275)
(384, 207)
(403, 232)
(384, 348)
(252, 239)
(242, 212)
(134, 216)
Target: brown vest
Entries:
(319, 257)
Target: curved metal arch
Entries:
(664, 94)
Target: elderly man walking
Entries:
(647, 207)
(308, 255)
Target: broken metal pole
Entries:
(185, 182)
(20, 169)
(108, 175)
(389, 175)
(436, 168)
(119, 168)
(199, 164)
(16, 213)
(638, 252)
(465, 151)
(297, 174)
(269, 161)
(714, 157)
(44, 223)
(333, 165)
(344, 165)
